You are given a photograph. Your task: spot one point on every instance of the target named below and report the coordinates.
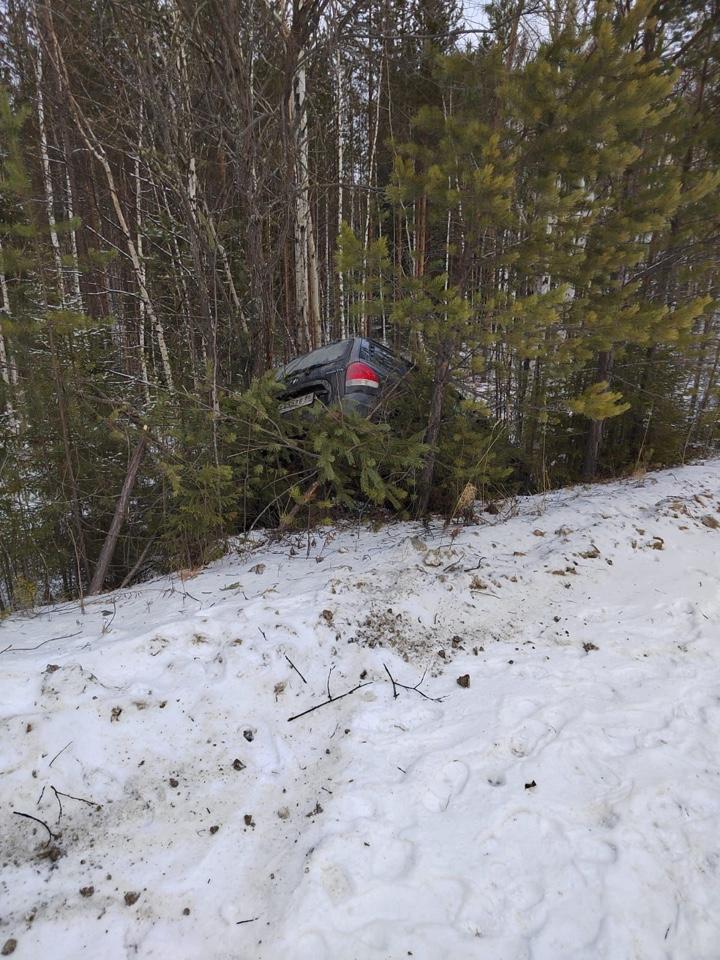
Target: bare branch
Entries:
(331, 700)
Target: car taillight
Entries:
(361, 375)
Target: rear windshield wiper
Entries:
(302, 370)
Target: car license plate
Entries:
(303, 401)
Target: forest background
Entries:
(193, 193)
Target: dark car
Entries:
(357, 374)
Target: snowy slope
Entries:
(564, 804)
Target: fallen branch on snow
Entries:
(69, 796)
(59, 752)
(65, 636)
(29, 816)
(295, 668)
(403, 686)
(286, 657)
(330, 700)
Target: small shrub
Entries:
(24, 593)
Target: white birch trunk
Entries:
(307, 287)
(75, 273)
(314, 282)
(47, 176)
(142, 311)
(8, 370)
(5, 370)
(340, 99)
(371, 172)
(180, 272)
(4, 292)
(327, 326)
(301, 213)
(7, 380)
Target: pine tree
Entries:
(60, 453)
(608, 116)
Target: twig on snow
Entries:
(295, 668)
(331, 700)
(286, 657)
(250, 920)
(416, 688)
(66, 636)
(328, 682)
(29, 816)
(69, 796)
(108, 623)
(392, 681)
(59, 752)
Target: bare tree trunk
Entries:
(47, 176)
(108, 548)
(77, 293)
(96, 148)
(6, 364)
(142, 318)
(364, 320)
(5, 377)
(199, 210)
(225, 260)
(442, 375)
(328, 277)
(301, 213)
(67, 448)
(711, 380)
(70, 208)
(340, 115)
(181, 286)
(699, 365)
(314, 278)
(703, 403)
(307, 286)
(4, 292)
(260, 277)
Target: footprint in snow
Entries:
(336, 882)
(215, 669)
(449, 784)
(393, 860)
(309, 946)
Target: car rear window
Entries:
(331, 353)
(376, 353)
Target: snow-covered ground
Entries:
(550, 790)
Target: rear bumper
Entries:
(321, 389)
(360, 403)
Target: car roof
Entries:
(349, 343)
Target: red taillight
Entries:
(361, 375)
